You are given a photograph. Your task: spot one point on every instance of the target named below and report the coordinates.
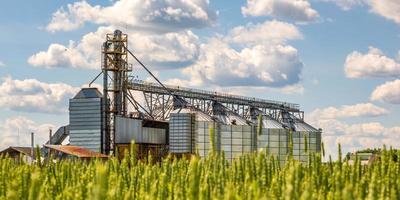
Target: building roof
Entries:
(24, 150)
(85, 93)
(79, 152)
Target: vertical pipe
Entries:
(163, 108)
(33, 145)
(106, 107)
(50, 133)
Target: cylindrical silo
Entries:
(273, 138)
(306, 139)
(204, 124)
(85, 119)
(182, 131)
(236, 134)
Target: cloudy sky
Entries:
(339, 59)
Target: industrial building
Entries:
(178, 120)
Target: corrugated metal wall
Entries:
(128, 130)
(153, 136)
(274, 141)
(203, 145)
(300, 145)
(236, 140)
(85, 119)
(182, 137)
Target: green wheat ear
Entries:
(252, 176)
(212, 140)
(305, 143)
(259, 127)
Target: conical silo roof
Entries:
(224, 115)
(267, 121)
(200, 116)
(85, 93)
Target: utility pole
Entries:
(33, 145)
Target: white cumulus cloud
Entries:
(260, 65)
(31, 95)
(174, 49)
(372, 64)
(346, 4)
(274, 32)
(15, 131)
(346, 111)
(160, 15)
(294, 10)
(58, 55)
(389, 92)
(389, 9)
(255, 57)
(353, 136)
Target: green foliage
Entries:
(212, 139)
(252, 176)
(259, 126)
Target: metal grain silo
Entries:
(182, 131)
(273, 137)
(85, 119)
(190, 132)
(236, 134)
(204, 124)
(305, 139)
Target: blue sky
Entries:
(338, 59)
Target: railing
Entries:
(153, 87)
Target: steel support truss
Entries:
(158, 103)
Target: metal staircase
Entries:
(59, 136)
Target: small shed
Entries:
(364, 157)
(19, 153)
